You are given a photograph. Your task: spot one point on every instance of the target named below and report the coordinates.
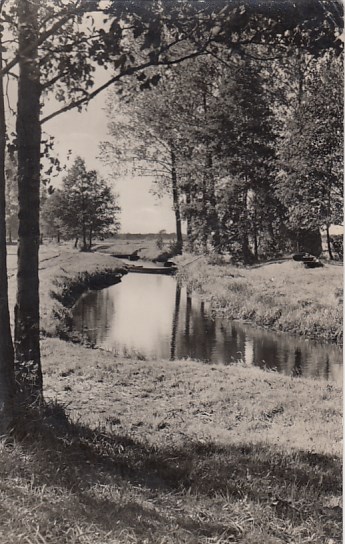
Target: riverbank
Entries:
(169, 452)
(65, 273)
(281, 296)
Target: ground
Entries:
(161, 452)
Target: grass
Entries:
(281, 295)
(159, 452)
(131, 451)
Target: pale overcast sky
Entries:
(82, 132)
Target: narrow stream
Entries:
(152, 316)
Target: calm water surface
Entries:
(152, 316)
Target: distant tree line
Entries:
(146, 236)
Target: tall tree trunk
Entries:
(176, 202)
(203, 218)
(212, 219)
(175, 322)
(329, 244)
(27, 333)
(246, 253)
(255, 237)
(189, 221)
(6, 346)
(90, 238)
(84, 237)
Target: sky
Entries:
(141, 211)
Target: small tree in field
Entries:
(85, 207)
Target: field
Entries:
(146, 247)
(135, 451)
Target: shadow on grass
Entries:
(75, 458)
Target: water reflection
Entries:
(153, 316)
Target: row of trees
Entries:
(56, 50)
(251, 152)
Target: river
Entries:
(153, 317)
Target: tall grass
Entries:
(281, 296)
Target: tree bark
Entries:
(255, 237)
(84, 236)
(188, 216)
(175, 322)
(27, 319)
(176, 202)
(90, 239)
(329, 244)
(213, 219)
(6, 346)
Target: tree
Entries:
(311, 176)
(85, 207)
(246, 157)
(145, 137)
(29, 373)
(6, 346)
(51, 222)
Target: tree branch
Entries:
(83, 8)
(131, 70)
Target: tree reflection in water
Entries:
(155, 316)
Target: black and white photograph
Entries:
(171, 271)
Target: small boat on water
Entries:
(168, 271)
(131, 257)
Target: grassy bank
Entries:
(281, 295)
(65, 273)
(158, 452)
